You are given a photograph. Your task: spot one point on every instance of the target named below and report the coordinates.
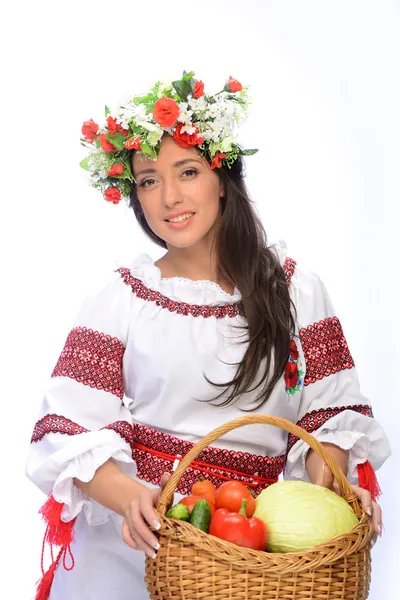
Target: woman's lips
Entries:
(180, 224)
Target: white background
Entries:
(325, 82)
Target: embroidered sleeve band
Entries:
(94, 359)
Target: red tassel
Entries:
(45, 583)
(367, 479)
(58, 533)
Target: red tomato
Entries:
(205, 488)
(190, 501)
(230, 495)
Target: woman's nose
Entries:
(171, 194)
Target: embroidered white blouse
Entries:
(135, 363)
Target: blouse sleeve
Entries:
(331, 405)
(83, 420)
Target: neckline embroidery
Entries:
(184, 308)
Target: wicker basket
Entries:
(193, 565)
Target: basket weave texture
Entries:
(193, 565)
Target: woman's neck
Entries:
(183, 264)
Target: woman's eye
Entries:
(190, 172)
(145, 182)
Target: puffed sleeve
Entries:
(83, 420)
(330, 405)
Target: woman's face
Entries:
(179, 194)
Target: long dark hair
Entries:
(244, 258)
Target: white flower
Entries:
(123, 123)
(226, 143)
(155, 132)
(190, 129)
(134, 114)
(155, 136)
(199, 105)
(185, 115)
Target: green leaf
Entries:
(187, 76)
(149, 106)
(85, 164)
(248, 152)
(107, 111)
(117, 140)
(136, 130)
(183, 89)
(237, 100)
(147, 149)
(144, 99)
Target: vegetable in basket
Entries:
(238, 529)
(301, 515)
(179, 511)
(205, 489)
(191, 501)
(231, 494)
(201, 515)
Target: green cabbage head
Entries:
(301, 515)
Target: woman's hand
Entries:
(139, 515)
(368, 505)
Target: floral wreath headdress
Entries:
(180, 108)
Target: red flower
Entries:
(217, 160)
(198, 89)
(133, 143)
(114, 127)
(116, 170)
(185, 139)
(112, 194)
(233, 85)
(105, 144)
(291, 375)
(90, 130)
(166, 112)
(294, 353)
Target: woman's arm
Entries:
(318, 472)
(112, 488)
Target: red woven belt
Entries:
(155, 453)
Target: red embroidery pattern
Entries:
(289, 268)
(94, 359)
(183, 308)
(124, 429)
(325, 349)
(59, 424)
(155, 452)
(316, 418)
(55, 424)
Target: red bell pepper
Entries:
(238, 529)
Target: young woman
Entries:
(166, 351)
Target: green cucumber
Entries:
(201, 515)
(179, 511)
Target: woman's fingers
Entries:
(377, 518)
(142, 517)
(164, 479)
(126, 536)
(371, 508)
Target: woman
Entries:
(168, 350)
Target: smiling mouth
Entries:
(180, 218)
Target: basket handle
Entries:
(167, 494)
